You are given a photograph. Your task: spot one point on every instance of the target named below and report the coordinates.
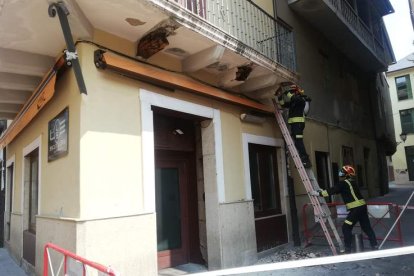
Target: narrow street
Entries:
(399, 265)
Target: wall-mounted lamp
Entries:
(252, 118)
(178, 131)
(403, 137)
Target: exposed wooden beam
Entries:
(258, 83)
(235, 76)
(228, 79)
(156, 39)
(14, 96)
(24, 63)
(203, 59)
(18, 82)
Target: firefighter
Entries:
(292, 96)
(355, 204)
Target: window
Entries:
(347, 156)
(403, 85)
(33, 159)
(407, 120)
(264, 179)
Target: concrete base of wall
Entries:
(127, 244)
(238, 234)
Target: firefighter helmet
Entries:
(296, 89)
(347, 170)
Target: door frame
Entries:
(149, 99)
(35, 144)
(280, 148)
(211, 129)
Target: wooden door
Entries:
(171, 181)
(409, 154)
(176, 189)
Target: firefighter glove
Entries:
(315, 193)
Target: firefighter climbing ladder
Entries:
(321, 210)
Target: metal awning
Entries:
(40, 97)
(137, 70)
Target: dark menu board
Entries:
(58, 135)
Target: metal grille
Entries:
(249, 24)
(347, 13)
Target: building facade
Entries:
(400, 77)
(150, 160)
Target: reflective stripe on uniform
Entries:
(296, 120)
(324, 193)
(348, 222)
(356, 203)
(299, 136)
(351, 189)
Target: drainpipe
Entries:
(71, 54)
(292, 200)
(292, 203)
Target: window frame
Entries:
(279, 146)
(408, 87)
(405, 129)
(33, 146)
(10, 183)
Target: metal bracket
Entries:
(71, 55)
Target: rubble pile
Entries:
(292, 254)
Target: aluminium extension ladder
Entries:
(320, 208)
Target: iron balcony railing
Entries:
(348, 14)
(249, 24)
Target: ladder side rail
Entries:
(319, 213)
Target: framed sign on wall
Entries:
(58, 133)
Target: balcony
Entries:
(233, 45)
(248, 23)
(340, 23)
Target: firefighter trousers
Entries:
(296, 130)
(358, 214)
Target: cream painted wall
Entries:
(399, 159)
(319, 137)
(59, 182)
(110, 143)
(232, 157)
(59, 179)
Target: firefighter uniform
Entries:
(296, 102)
(357, 208)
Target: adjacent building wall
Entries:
(399, 160)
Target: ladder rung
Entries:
(321, 210)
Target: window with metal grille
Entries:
(403, 85)
(407, 120)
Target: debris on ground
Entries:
(295, 253)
